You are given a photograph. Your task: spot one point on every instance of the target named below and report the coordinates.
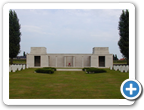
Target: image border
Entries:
(8, 6)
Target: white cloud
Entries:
(32, 29)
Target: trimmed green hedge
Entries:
(85, 69)
(54, 69)
(43, 70)
(94, 70)
(48, 70)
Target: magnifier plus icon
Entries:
(131, 89)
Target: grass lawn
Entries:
(119, 62)
(18, 61)
(26, 84)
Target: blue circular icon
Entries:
(130, 89)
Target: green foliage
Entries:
(24, 54)
(84, 69)
(14, 35)
(48, 70)
(115, 57)
(18, 61)
(94, 70)
(54, 69)
(44, 70)
(124, 34)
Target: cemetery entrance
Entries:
(37, 61)
(101, 61)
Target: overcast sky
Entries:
(69, 30)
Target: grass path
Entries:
(65, 85)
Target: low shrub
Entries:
(94, 70)
(44, 70)
(85, 69)
(54, 69)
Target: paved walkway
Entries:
(69, 69)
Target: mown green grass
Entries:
(26, 84)
(119, 62)
(18, 61)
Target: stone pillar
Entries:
(64, 61)
(73, 61)
(56, 61)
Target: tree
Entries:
(24, 54)
(14, 35)
(113, 57)
(116, 57)
(124, 34)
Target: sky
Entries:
(69, 30)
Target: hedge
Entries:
(94, 70)
(44, 70)
(85, 69)
(54, 69)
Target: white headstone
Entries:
(114, 67)
(10, 68)
(122, 68)
(118, 67)
(14, 68)
(126, 69)
(23, 66)
(111, 68)
(19, 67)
